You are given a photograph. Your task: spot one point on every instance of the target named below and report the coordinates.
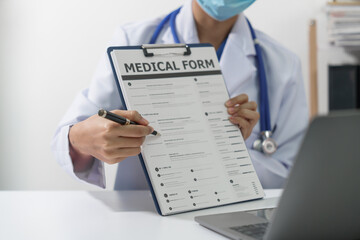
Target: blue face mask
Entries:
(224, 9)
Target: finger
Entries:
(116, 130)
(240, 99)
(126, 152)
(249, 105)
(247, 114)
(124, 142)
(115, 155)
(243, 124)
(133, 116)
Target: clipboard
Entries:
(200, 160)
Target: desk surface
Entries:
(103, 215)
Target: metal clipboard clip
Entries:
(146, 47)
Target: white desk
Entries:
(106, 215)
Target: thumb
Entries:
(133, 116)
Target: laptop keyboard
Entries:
(256, 231)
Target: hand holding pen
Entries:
(109, 141)
(120, 119)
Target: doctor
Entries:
(84, 141)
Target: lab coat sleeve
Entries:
(102, 93)
(291, 122)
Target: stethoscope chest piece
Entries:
(265, 144)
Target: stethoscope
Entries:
(265, 143)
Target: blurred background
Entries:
(49, 51)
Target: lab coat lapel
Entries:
(237, 61)
(185, 27)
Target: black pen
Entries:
(119, 119)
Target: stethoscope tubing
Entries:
(265, 122)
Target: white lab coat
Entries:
(287, 100)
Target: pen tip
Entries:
(155, 133)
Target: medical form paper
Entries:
(200, 160)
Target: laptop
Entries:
(321, 199)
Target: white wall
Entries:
(48, 52)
